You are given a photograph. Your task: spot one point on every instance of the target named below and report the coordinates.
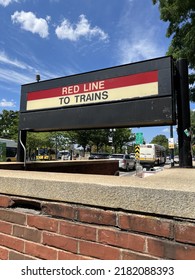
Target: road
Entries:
(133, 172)
(125, 173)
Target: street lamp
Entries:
(38, 77)
(5, 133)
(110, 138)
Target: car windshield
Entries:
(116, 156)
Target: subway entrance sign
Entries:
(131, 95)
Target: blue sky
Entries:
(56, 38)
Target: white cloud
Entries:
(140, 36)
(15, 77)
(12, 62)
(167, 130)
(138, 49)
(5, 3)
(5, 103)
(82, 29)
(30, 22)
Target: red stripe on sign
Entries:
(130, 80)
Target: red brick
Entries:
(5, 201)
(5, 227)
(4, 253)
(11, 242)
(12, 216)
(62, 255)
(40, 251)
(185, 233)
(42, 222)
(145, 224)
(129, 255)
(169, 250)
(27, 233)
(59, 241)
(122, 240)
(99, 251)
(161, 248)
(185, 252)
(18, 256)
(59, 210)
(78, 231)
(96, 216)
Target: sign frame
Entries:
(117, 113)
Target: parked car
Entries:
(64, 155)
(176, 159)
(126, 162)
(99, 156)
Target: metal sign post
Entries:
(183, 109)
(171, 146)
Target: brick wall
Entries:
(34, 229)
(103, 167)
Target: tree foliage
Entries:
(9, 124)
(160, 140)
(193, 131)
(181, 29)
(61, 140)
(99, 138)
(193, 127)
(121, 137)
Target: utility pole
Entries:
(183, 112)
(172, 149)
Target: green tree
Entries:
(99, 138)
(80, 137)
(53, 140)
(121, 136)
(193, 130)
(181, 29)
(193, 122)
(60, 140)
(37, 140)
(9, 124)
(160, 140)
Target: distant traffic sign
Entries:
(139, 138)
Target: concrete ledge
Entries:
(170, 193)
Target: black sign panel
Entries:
(131, 95)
